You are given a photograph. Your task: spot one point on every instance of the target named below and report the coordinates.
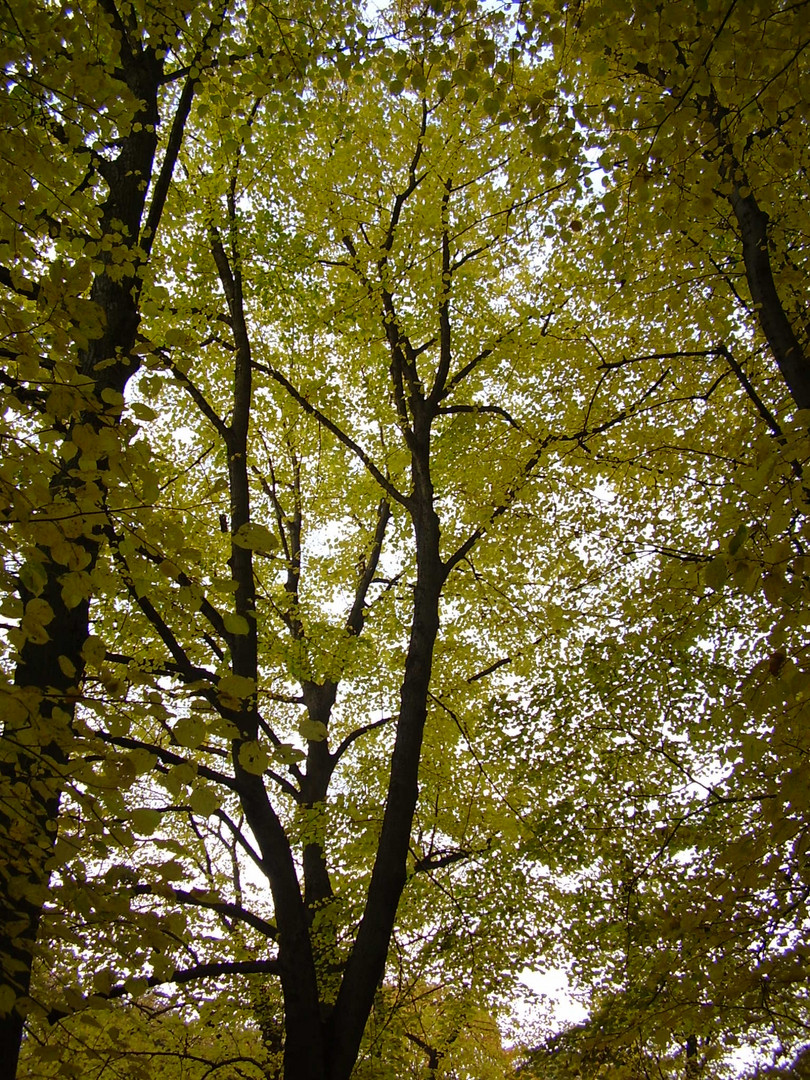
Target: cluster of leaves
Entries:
(403, 485)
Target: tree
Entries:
(95, 102)
(360, 581)
(132, 1040)
(691, 84)
(699, 135)
(329, 972)
(89, 89)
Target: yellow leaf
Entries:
(39, 610)
(189, 731)
(143, 412)
(255, 536)
(94, 651)
(312, 730)
(67, 666)
(75, 588)
(236, 624)
(38, 613)
(204, 801)
(253, 757)
(236, 686)
(112, 397)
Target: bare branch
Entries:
(240, 839)
(446, 858)
(490, 669)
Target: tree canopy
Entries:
(405, 420)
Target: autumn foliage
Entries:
(404, 434)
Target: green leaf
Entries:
(38, 615)
(8, 999)
(235, 624)
(76, 587)
(112, 397)
(204, 801)
(253, 758)
(312, 730)
(34, 576)
(256, 537)
(773, 586)
(189, 731)
(94, 651)
(143, 412)
(716, 572)
(145, 820)
(236, 686)
(288, 754)
(738, 539)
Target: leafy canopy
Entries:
(404, 444)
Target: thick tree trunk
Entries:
(366, 964)
(304, 1056)
(30, 774)
(773, 320)
(37, 738)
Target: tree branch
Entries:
(787, 351)
(356, 734)
(747, 386)
(222, 907)
(339, 434)
(495, 410)
(30, 290)
(195, 394)
(445, 340)
(168, 757)
(175, 141)
(183, 975)
(356, 618)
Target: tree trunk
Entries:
(37, 739)
(366, 964)
(774, 323)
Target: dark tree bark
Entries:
(36, 741)
(304, 1056)
(773, 320)
(366, 964)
